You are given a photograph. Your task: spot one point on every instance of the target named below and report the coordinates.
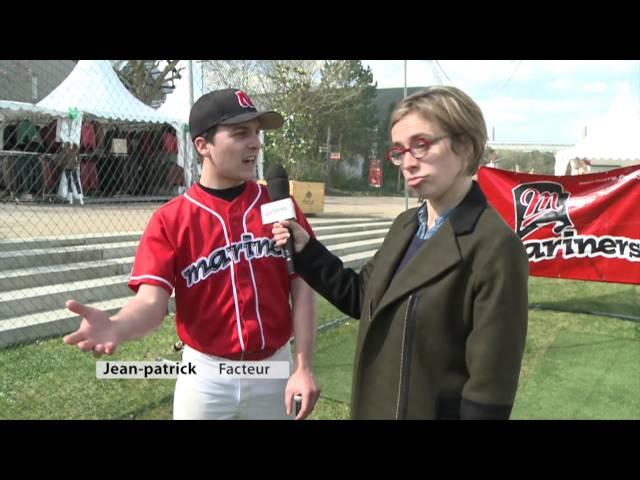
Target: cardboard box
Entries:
(308, 195)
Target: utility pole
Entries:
(328, 154)
(193, 159)
(373, 155)
(406, 187)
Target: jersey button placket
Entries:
(235, 232)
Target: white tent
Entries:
(11, 111)
(94, 88)
(613, 140)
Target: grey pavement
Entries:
(29, 220)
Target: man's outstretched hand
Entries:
(97, 332)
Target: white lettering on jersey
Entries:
(221, 258)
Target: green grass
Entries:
(575, 366)
(50, 380)
(562, 294)
(333, 363)
(584, 376)
(579, 367)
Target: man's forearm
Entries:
(143, 314)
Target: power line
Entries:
(512, 74)
(443, 72)
(434, 71)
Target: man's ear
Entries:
(201, 145)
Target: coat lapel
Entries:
(391, 254)
(438, 255)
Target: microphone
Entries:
(281, 206)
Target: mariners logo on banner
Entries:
(538, 204)
(585, 227)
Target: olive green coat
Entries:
(445, 338)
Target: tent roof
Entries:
(94, 88)
(11, 110)
(614, 139)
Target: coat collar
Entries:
(464, 217)
(441, 254)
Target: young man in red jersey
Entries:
(231, 283)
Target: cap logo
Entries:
(244, 100)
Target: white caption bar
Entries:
(167, 370)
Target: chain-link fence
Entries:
(83, 164)
(88, 150)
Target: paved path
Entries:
(43, 220)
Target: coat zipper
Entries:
(405, 357)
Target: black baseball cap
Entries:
(228, 107)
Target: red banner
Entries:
(584, 227)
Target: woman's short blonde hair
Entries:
(458, 115)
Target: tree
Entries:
(148, 80)
(312, 97)
(253, 76)
(295, 145)
(230, 74)
(539, 162)
(348, 90)
(281, 85)
(337, 108)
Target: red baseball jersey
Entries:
(230, 279)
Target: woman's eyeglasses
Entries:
(419, 148)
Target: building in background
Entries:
(32, 80)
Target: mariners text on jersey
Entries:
(222, 257)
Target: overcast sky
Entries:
(529, 101)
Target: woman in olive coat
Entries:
(443, 303)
